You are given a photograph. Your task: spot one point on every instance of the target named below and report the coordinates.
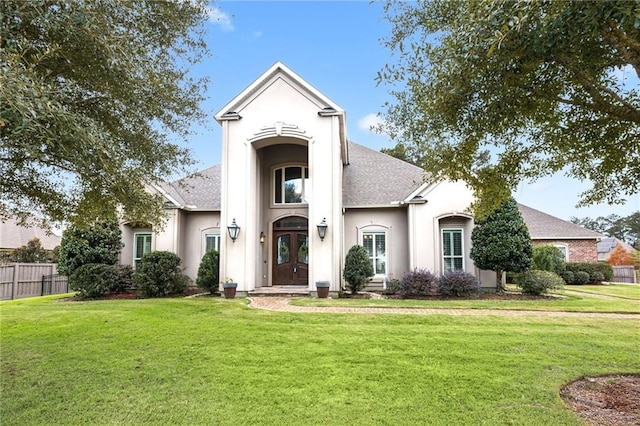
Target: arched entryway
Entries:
(290, 251)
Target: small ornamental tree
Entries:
(99, 242)
(548, 258)
(209, 272)
(31, 253)
(501, 242)
(358, 268)
(619, 257)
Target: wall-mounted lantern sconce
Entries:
(234, 230)
(322, 229)
(262, 237)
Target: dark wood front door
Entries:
(290, 257)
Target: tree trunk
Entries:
(499, 287)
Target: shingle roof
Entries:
(375, 179)
(13, 235)
(543, 226)
(198, 191)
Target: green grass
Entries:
(212, 361)
(568, 303)
(617, 290)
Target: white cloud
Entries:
(218, 17)
(256, 35)
(369, 121)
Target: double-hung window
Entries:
(376, 245)
(291, 185)
(141, 246)
(452, 250)
(211, 242)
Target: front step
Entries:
(281, 291)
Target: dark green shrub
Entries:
(458, 284)
(209, 272)
(418, 283)
(596, 277)
(568, 276)
(591, 268)
(547, 258)
(31, 253)
(580, 277)
(95, 280)
(125, 274)
(99, 242)
(159, 274)
(358, 268)
(393, 287)
(539, 282)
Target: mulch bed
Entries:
(610, 400)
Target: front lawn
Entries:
(213, 361)
(618, 290)
(567, 303)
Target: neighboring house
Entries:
(577, 243)
(608, 244)
(13, 236)
(301, 194)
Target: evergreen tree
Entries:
(501, 242)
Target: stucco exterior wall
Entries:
(393, 222)
(128, 234)
(196, 225)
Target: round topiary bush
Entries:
(358, 268)
(209, 272)
(539, 282)
(568, 277)
(418, 283)
(159, 274)
(393, 287)
(95, 280)
(458, 284)
(580, 278)
(596, 277)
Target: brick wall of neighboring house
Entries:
(579, 250)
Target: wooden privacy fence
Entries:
(21, 280)
(624, 274)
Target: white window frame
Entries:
(564, 248)
(135, 245)
(375, 257)
(452, 256)
(216, 241)
(305, 190)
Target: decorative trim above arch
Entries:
(280, 128)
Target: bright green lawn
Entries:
(618, 290)
(212, 361)
(569, 302)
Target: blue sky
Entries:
(334, 46)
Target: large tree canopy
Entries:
(92, 93)
(499, 91)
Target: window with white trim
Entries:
(452, 250)
(376, 245)
(564, 249)
(291, 185)
(141, 246)
(211, 242)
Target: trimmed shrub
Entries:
(580, 278)
(547, 258)
(99, 242)
(418, 283)
(159, 274)
(590, 268)
(539, 282)
(596, 277)
(209, 272)
(357, 268)
(393, 287)
(458, 284)
(95, 280)
(568, 277)
(125, 274)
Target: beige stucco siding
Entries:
(393, 222)
(196, 225)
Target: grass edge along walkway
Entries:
(282, 304)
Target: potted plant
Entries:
(323, 289)
(229, 288)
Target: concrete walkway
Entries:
(281, 304)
